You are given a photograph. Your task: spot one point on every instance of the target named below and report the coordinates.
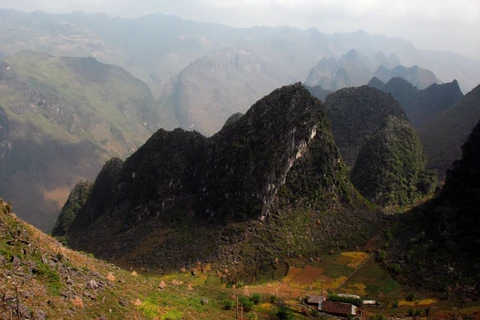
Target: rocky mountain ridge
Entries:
(273, 169)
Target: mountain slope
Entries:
(356, 114)
(212, 88)
(377, 141)
(318, 92)
(156, 47)
(390, 168)
(350, 70)
(63, 118)
(423, 105)
(230, 198)
(443, 135)
(444, 236)
(58, 283)
(420, 78)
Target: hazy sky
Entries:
(429, 24)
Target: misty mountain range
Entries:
(199, 73)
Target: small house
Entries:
(338, 308)
(316, 300)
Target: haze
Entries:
(429, 24)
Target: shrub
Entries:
(417, 313)
(285, 314)
(396, 268)
(228, 304)
(410, 312)
(395, 304)
(410, 297)
(427, 311)
(273, 298)
(381, 256)
(256, 298)
(246, 303)
(315, 313)
(252, 316)
(388, 234)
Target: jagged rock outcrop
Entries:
(231, 197)
(103, 187)
(76, 200)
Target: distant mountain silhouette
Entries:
(354, 69)
(421, 105)
(420, 78)
(351, 70)
(376, 83)
(443, 135)
(318, 92)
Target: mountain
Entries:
(42, 279)
(76, 200)
(377, 141)
(442, 237)
(269, 184)
(420, 78)
(442, 135)
(61, 119)
(175, 57)
(376, 83)
(390, 168)
(213, 87)
(356, 114)
(350, 70)
(318, 92)
(421, 105)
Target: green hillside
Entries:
(390, 168)
(65, 116)
(437, 244)
(377, 141)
